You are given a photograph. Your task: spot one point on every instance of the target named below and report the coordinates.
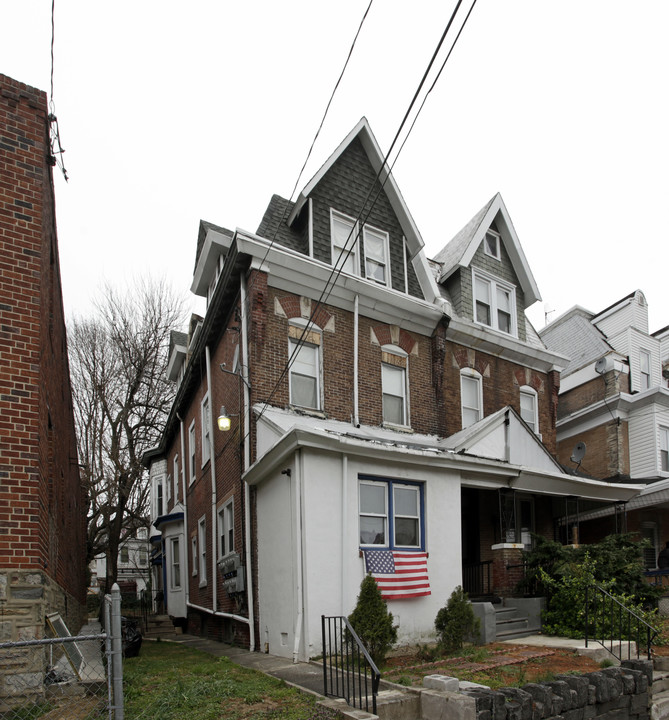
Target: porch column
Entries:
(507, 568)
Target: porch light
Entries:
(223, 420)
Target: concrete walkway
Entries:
(594, 649)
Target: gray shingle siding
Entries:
(273, 226)
(346, 188)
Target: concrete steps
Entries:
(161, 626)
(511, 623)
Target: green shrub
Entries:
(455, 622)
(372, 621)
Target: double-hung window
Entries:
(664, 449)
(394, 387)
(159, 507)
(644, 369)
(175, 476)
(205, 417)
(391, 513)
(305, 367)
(471, 394)
(191, 452)
(202, 550)
(175, 564)
(494, 303)
(376, 249)
(226, 529)
(528, 407)
(344, 232)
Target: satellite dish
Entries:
(600, 366)
(578, 453)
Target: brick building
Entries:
(367, 404)
(42, 505)
(614, 404)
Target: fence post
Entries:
(117, 651)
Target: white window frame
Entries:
(315, 350)
(467, 375)
(202, 550)
(159, 496)
(191, 453)
(529, 392)
(124, 555)
(664, 449)
(390, 516)
(175, 563)
(395, 360)
(194, 557)
(648, 531)
(494, 284)
(168, 489)
(369, 232)
(339, 242)
(205, 429)
(644, 369)
(498, 240)
(175, 478)
(226, 528)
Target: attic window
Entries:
(494, 303)
(491, 244)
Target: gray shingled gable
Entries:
(273, 226)
(178, 339)
(451, 255)
(202, 234)
(574, 336)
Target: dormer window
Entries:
(491, 244)
(376, 254)
(344, 243)
(494, 303)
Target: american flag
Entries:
(399, 575)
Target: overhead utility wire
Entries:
(339, 265)
(54, 131)
(311, 147)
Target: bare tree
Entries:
(121, 394)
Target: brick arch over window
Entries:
(393, 335)
(466, 358)
(525, 376)
(293, 307)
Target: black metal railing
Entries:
(614, 626)
(348, 670)
(477, 579)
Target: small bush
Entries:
(455, 622)
(372, 621)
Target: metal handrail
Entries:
(623, 615)
(346, 676)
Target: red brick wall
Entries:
(607, 454)
(42, 512)
(501, 387)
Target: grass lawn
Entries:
(172, 682)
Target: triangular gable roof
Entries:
(503, 436)
(460, 250)
(415, 244)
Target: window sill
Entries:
(398, 428)
(203, 584)
(311, 412)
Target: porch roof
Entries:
(293, 431)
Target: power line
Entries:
(339, 264)
(54, 131)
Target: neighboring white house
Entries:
(133, 563)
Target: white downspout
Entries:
(299, 590)
(344, 528)
(356, 419)
(247, 463)
(185, 504)
(212, 472)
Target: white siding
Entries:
(644, 438)
(638, 342)
(633, 313)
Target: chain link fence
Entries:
(64, 677)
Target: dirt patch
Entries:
(494, 665)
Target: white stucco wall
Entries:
(332, 566)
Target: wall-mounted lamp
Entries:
(223, 419)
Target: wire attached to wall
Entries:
(57, 150)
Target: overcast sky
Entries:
(172, 112)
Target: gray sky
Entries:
(171, 112)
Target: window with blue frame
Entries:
(391, 513)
